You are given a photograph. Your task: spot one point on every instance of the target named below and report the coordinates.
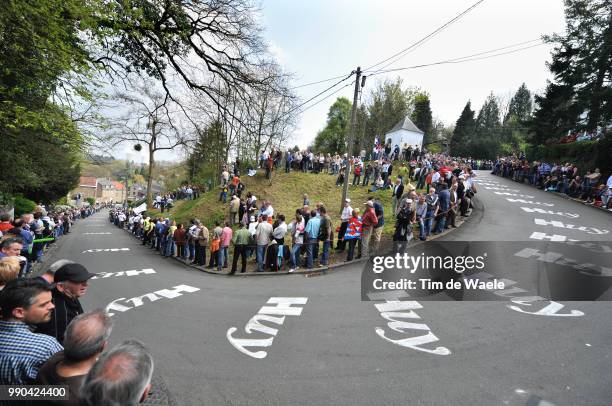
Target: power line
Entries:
(428, 36)
(413, 46)
(328, 96)
(482, 53)
(468, 58)
(317, 95)
(316, 83)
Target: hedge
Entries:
(588, 155)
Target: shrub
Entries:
(90, 200)
(588, 155)
(23, 206)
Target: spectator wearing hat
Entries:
(234, 209)
(86, 338)
(24, 302)
(368, 221)
(122, 376)
(406, 216)
(70, 285)
(49, 275)
(346, 215)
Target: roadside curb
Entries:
(314, 271)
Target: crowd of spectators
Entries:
(46, 338)
(310, 234)
(24, 240)
(580, 136)
(567, 179)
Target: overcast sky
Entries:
(319, 39)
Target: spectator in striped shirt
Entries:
(22, 352)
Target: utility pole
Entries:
(347, 170)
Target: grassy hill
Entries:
(285, 193)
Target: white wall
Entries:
(401, 137)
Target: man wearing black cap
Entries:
(70, 284)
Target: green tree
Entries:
(486, 141)
(332, 139)
(422, 118)
(582, 60)
(520, 105)
(50, 51)
(514, 132)
(207, 155)
(554, 115)
(387, 104)
(464, 131)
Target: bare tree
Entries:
(207, 45)
(261, 120)
(149, 122)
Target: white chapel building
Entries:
(405, 132)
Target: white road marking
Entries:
(558, 259)
(283, 307)
(132, 272)
(502, 189)
(542, 211)
(560, 224)
(394, 309)
(138, 301)
(551, 309)
(554, 238)
(513, 194)
(105, 233)
(106, 250)
(529, 202)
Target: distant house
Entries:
(405, 132)
(88, 187)
(137, 191)
(111, 191)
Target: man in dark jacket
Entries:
(398, 191)
(86, 338)
(71, 284)
(444, 196)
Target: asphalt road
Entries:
(330, 351)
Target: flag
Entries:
(140, 208)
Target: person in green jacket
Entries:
(240, 241)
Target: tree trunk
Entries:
(151, 163)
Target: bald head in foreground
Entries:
(121, 377)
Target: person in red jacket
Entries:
(5, 222)
(353, 235)
(357, 173)
(369, 221)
